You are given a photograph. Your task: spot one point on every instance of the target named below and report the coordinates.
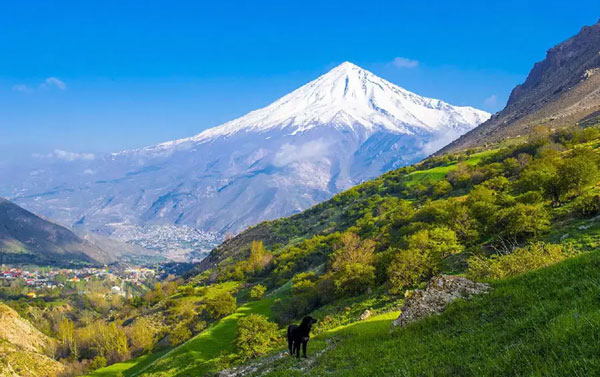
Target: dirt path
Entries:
(263, 366)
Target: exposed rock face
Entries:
(440, 291)
(561, 90)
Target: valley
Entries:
(182, 197)
(421, 238)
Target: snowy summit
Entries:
(349, 97)
(341, 129)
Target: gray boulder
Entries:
(440, 291)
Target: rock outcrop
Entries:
(560, 91)
(365, 315)
(440, 291)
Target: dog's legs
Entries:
(291, 346)
(304, 343)
(297, 348)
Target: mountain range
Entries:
(343, 128)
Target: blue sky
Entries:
(94, 77)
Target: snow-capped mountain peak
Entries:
(341, 129)
(350, 97)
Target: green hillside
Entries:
(523, 217)
(544, 323)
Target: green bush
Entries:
(522, 221)
(257, 292)
(220, 305)
(179, 334)
(519, 261)
(98, 362)
(256, 336)
(425, 251)
(353, 278)
(587, 205)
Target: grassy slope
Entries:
(129, 367)
(440, 172)
(544, 323)
(195, 357)
(198, 355)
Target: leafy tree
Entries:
(461, 176)
(587, 205)
(109, 341)
(180, 334)
(220, 305)
(352, 250)
(422, 256)
(354, 278)
(407, 269)
(540, 175)
(578, 172)
(256, 336)
(66, 333)
(259, 257)
(257, 292)
(98, 362)
(522, 221)
(141, 334)
(351, 266)
(441, 188)
(483, 206)
(304, 294)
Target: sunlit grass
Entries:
(544, 323)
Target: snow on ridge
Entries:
(347, 96)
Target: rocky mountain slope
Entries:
(332, 133)
(27, 238)
(562, 90)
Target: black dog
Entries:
(297, 335)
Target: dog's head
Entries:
(308, 321)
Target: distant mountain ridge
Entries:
(28, 239)
(562, 90)
(345, 127)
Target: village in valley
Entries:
(35, 279)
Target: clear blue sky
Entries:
(99, 76)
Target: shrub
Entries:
(179, 334)
(519, 261)
(587, 205)
(441, 188)
(578, 171)
(524, 220)
(141, 335)
(352, 250)
(98, 362)
(257, 292)
(354, 278)
(256, 336)
(220, 305)
(259, 258)
(425, 251)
